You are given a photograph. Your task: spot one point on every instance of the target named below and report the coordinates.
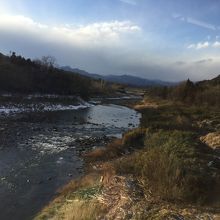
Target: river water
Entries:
(40, 152)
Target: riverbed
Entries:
(41, 151)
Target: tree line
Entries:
(204, 92)
(20, 75)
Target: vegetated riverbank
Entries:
(169, 168)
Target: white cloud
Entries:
(204, 45)
(94, 33)
(216, 44)
(199, 45)
(9, 21)
(97, 47)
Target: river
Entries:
(41, 151)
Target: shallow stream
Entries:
(41, 151)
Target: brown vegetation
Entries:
(76, 196)
(212, 139)
(111, 151)
(173, 165)
(204, 92)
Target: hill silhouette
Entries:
(20, 75)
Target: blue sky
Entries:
(156, 39)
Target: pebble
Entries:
(210, 163)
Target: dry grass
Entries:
(111, 151)
(75, 201)
(73, 210)
(134, 138)
(86, 181)
(146, 104)
(212, 140)
(173, 165)
(152, 103)
(78, 199)
(118, 147)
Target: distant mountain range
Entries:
(121, 79)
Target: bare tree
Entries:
(48, 61)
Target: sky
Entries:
(170, 40)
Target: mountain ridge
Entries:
(125, 79)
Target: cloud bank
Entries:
(114, 47)
(97, 33)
